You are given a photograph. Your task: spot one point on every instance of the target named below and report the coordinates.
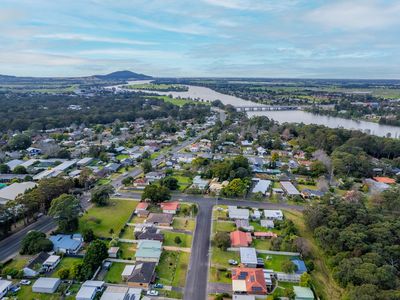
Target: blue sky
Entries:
(232, 38)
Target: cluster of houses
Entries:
(251, 278)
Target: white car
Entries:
(25, 282)
(152, 293)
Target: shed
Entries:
(248, 257)
(46, 285)
(303, 293)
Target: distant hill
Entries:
(123, 75)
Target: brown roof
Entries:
(159, 218)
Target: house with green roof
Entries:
(303, 293)
(149, 250)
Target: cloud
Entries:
(251, 4)
(91, 38)
(356, 15)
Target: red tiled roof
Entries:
(142, 206)
(265, 234)
(254, 278)
(386, 180)
(240, 238)
(170, 205)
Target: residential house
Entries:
(248, 257)
(238, 213)
(248, 281)
(240, 239)
(261, 186)
(51, 263)
(33, 151)
(160, 219)
(154, 176)
(244, 224)
(66, 243)
(386, 180)
(34, 267)
(121, 293)
(273, 214)
(112, 167)
(11, 192)
(267, 223)
(12, 164)
(84, 162)
(142, 206)
(308, 193)
(5, 286)
(170, 207)
(199, 183)
(289, 189)
(89, 289)
(141, 275)
(148, 251)
(149, 233)
(141, 183)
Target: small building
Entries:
(140, 275)
(248, 257)
(121, 293)
(289, 189)
(141, 183)
(113, 252)
(154, 176)
(51, 263)
(273, 214)
(112, 167)
(261, 186)
(84, 162)
(160, 219)
(148, 251)
(303, 293)
(199, 183)
(243, 224)
(249, 281)
(142, 206)
(267, 223)
(5, 286)
(240, 238)
(33, 268)
(238, 213)
(65, 243)
(170, 207)
(46, 285)
(33, 151)
(89, 289)
(256, 215)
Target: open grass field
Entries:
(102, 219)
(114, 274)
(66, 262)
(220, 275)
(26, 294)
(172, 268)
(184, 223)
(220, 258)
(322, 279)
(273, 261)
(226, 226)
(260, 244)
(169, 239)
(18, 262)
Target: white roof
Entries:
(65, 165)
(12, 191)
(238, 213)
(4, 284)
(115, 293)
(84, 160)
(47, 174)
(239, 286)
(46, 283)
(29, 162)
(51, 259)
(86, 292)
(262, 186)
(273, 213)
(248, 255)
(289, 188)
(128, 270)
(14, 163)
(95, 283)
(267, 223)
(244, 297)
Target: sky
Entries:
(201, 38)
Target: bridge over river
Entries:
(267, 108)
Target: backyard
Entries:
(114, 274)
(172, 268)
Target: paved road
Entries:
(10, 246)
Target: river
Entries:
(293, 116)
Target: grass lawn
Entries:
(122, 156)
(66, 262)
(128, 250)
(220, 258)
(261, 244)
(184, 223)
(172, 268)
(303, 186)
(18, 262)
(275, 261)
(280, 289)
(226, 226)
(169, 239)
(102, 219)
(103, 181)
(26, 293)
(257, 227)
(220, 276)
(155, 155)
(114, 274)
(321, 276)
(128, 233)
(183, 181)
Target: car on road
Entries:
(233, 262)
(117, 194)
(25, 282)
(152, 293)
(158, 286)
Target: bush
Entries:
(63, 273)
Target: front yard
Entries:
(172, 268)
(169, 239)
(102, 219)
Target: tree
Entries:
(177, 240)
(170, 182)
(127, 181)
(236, 187)
(147, 166)
(95, 254)
(222, 240)
(288, 266)
(156, 193)
(35, 242)
(20, 170)
(65, 209)
(305, 280)
(19, 142)
(101, 194)
(88, 235)
(4, 169)
(63, 273)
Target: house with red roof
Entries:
(170, 207)
(386, 180)
(249, 281)
(240, 238)
(142, 206)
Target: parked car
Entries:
(158, 286)
(233, 262)
(15, 288)
(25, 282)
(152, 293)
